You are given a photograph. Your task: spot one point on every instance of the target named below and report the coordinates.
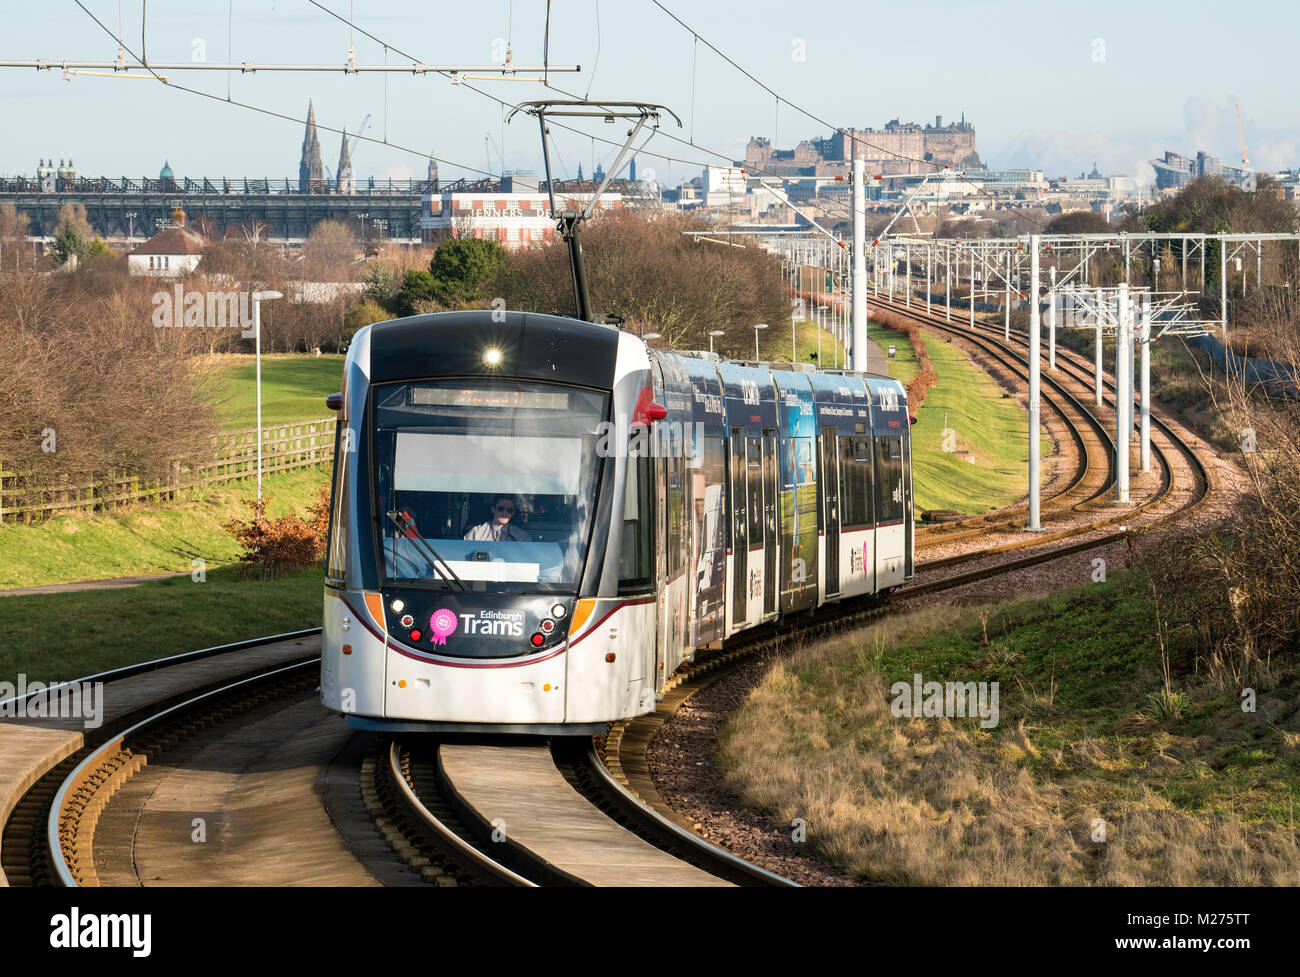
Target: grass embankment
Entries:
(774, 344)
(1081, 752)
(55, 637)
(139, 541)
(966, 401)
(294, 387)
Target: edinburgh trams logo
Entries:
(443, 623)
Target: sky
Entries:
(1046, 86)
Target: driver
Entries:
(498, 528)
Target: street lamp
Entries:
(794, 353)
(258, 298)
(761, 325)
(649, 336)
(715, 332)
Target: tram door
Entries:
(908, 521)
(771, 494)
(830, 480)
(739, 537)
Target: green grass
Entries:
(140, 541)
(965, 399)
(55, 637)
(774, 344)
(969, 403)
(294, 388)
(1205, 796)
(1081, 664)
(903, 367)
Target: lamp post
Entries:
(712, 333)
(649, 336)
(761, 325)
(258, 298)
(794, 353)
(823, 309)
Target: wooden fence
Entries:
(285, 447)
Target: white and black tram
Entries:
(535, 521)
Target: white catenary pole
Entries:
(1223, 285)
(972, 287)
(1035, 328)
(1051, 320)
(258, 298)
(1096, 379)
(1123, 395)
(947, 284)
(1145, 339)
(858, 356)
(927, 279)
(907, 272)
(1006, 300)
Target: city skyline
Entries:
(1103, 104)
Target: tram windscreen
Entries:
(492, 480)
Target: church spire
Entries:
(311, 172)
(345, 182)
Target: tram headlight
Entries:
(558, 611)
(492, 356)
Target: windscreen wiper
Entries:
(436, 562)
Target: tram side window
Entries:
(674, 555)
(889, 480)
(855, 482)
(635, 565)
(754, 510)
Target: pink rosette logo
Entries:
(442, 625)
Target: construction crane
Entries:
(1242, 132)
(352, 143)
(488, 145)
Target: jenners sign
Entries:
(499, 212)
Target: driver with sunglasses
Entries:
(498, 528)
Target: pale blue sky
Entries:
(1046, 85)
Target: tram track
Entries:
(1169, 450)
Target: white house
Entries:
(724, 186)
(515, 219)
(171, 252)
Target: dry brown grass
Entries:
(939, 802)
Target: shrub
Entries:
(925, 378)
(365, 314)
(284, 545)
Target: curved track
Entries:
(1184, 477)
